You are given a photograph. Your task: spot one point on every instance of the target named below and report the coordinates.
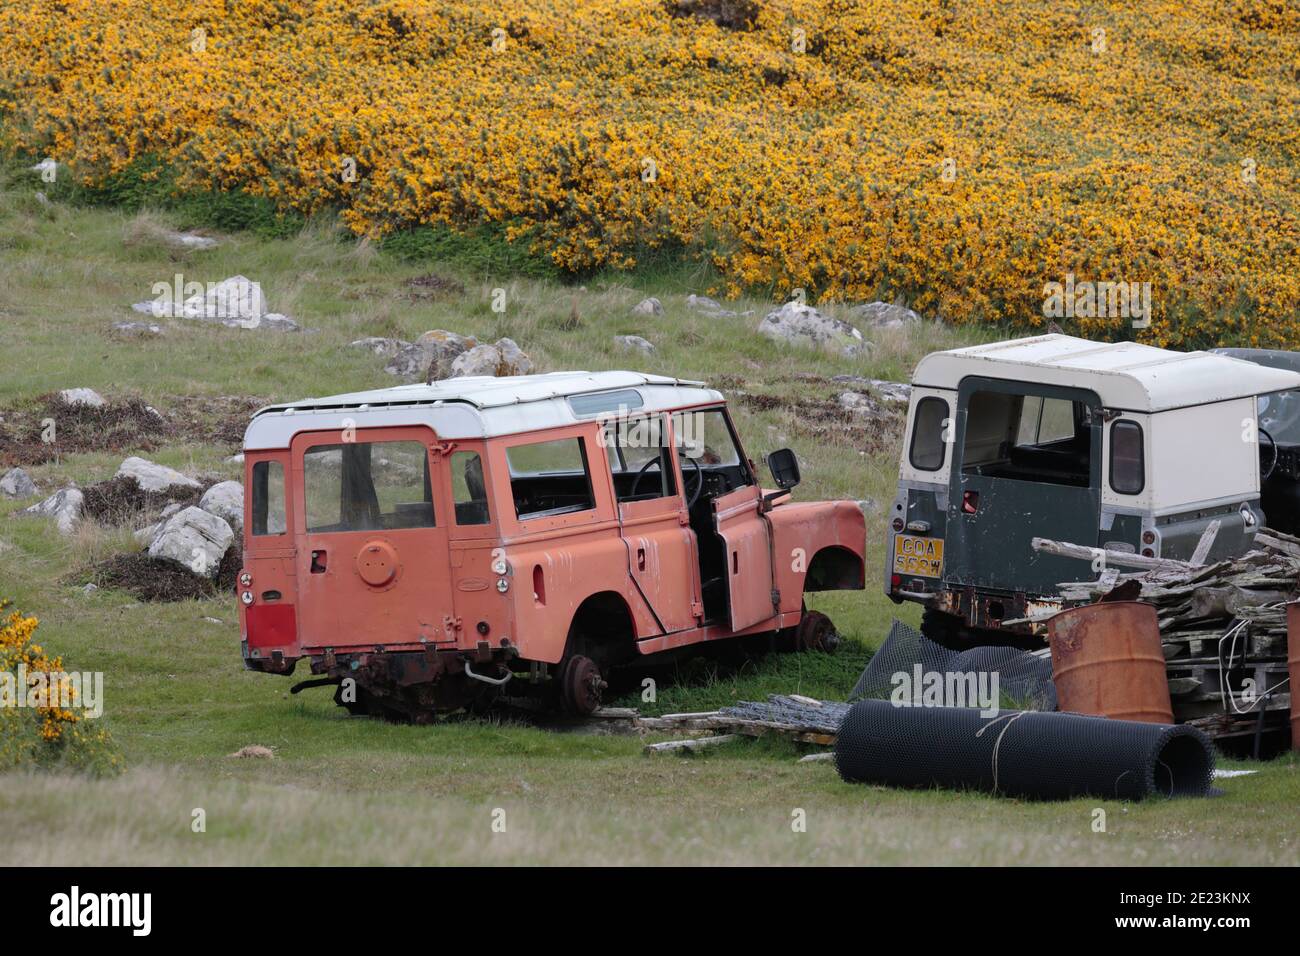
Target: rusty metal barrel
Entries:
(1293, 666)
(1107, 660)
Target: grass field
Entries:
(342, 790)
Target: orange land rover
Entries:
(427, 547)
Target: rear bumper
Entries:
(988, 609)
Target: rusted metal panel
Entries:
(1107, 660)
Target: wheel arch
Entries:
(603, 628)
(835, 568)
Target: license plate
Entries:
(918, 556)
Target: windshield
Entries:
(1279, 415)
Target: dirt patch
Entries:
(433, 286)
(214, 421)
(828, 421)
(41, 431)
(35, 432)
(121, 500)
(160, 582)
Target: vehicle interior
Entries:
(550, 478)
(1028, 438)
(367, 486)
(711, 466)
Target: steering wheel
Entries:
(698, 476)
(1273, 463)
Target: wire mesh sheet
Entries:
(1024, 679)
(822, 718)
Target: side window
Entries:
(638, 458)
(367, 486)
(928, 446)
(705, 438)
(1127, 461)
(550, 478)
(268, 498)
(468, 489)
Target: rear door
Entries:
(373, 566)
(1027, 464)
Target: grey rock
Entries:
(649, 306)
(85, 397)
(797, 324)
(702, 303)
(430, 357)
(883, 315)
(89, 588)
(891, 392)
(634, 343)
(236, 302)
(190, 240)
(380, 346)
(150, 476)
(140, 329)
(64, 506)
(193, 539)
(16, 483)
(225, 499)
(502, 358)
(514, 361)
(236, 459)
(144, 536)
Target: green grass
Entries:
(343, 790)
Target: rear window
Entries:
(468, 489)
(928, 446)
(1028, 438)
(268, 498)
(1127, 465)
(550, 478)
(367, 486)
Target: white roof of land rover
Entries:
(479, 406)
(1125, 375)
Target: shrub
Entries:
(50, 736)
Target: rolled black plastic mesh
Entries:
(1023, 678)
(1045, 756)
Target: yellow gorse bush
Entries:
(962, 155)
(51, 735)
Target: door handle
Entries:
(970, 502)
(640, 559)
(318, 562)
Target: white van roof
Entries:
(1125, 375)
(478, 406)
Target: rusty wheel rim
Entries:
(582, 685)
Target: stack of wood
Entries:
(1223, 627)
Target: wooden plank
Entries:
(690, 746)
(1122, 559)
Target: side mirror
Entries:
(784, 467)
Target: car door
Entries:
(711, 453)
(661, 548)
(373, 568)
(1027, 465)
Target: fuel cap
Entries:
(377, 563)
